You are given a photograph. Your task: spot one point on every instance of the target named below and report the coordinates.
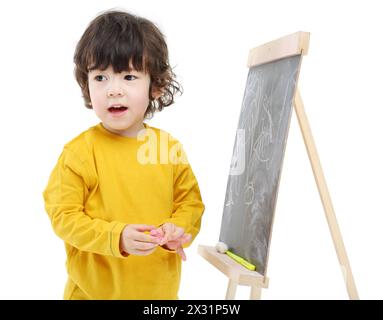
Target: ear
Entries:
(156, 93)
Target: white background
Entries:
(340, 82)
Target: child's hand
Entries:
(172, 237)
(133, 240)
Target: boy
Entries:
(122, 196)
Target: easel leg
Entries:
(231, 289)
(255, 293)
(325, 197)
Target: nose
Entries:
(115, 91)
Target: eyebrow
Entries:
(127, 71)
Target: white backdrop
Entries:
(340, 82)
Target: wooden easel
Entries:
(290, 45)
(237, 274)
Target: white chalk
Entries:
(221, 247)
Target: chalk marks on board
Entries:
(257, 159)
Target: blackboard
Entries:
(258, 153)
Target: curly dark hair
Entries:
(118, 38)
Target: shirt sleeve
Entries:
(68, 188)
(187, 202)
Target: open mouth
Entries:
(117, 109)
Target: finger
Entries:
(176, 234)
(168, 229)
(143, 237)
(181, 252)
(138, 245)
(142, 227)
(172, 245)
(157, 233)
(143, 252)
(187, 237)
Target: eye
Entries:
(99, 78)
(130, 77)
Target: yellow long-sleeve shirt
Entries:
(101, 183)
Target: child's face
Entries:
(120, 99)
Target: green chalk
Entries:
(240, 260)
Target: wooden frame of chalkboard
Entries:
(275, 56)
(288, 46)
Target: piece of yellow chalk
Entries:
(240, 260)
